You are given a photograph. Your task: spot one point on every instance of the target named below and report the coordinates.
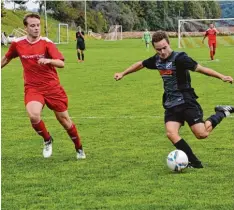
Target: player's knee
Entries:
(34, 117)
(202, 135)
(172, 135)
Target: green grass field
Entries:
(122, 129)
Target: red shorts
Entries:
(54, 98)
(212, 43)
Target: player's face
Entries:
(163, 49)
(211, 26)
(34, 27)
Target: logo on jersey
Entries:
(169, 65)
(165, 72)
(37, 56)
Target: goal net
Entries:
(94, 35)
(114, 33)
(192, 31)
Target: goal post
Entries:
(114, 33)
(62, 34)
(191, 31)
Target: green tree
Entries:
(3, 11)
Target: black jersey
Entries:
(176, 77)
(79, 37)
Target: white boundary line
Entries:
(103, 117)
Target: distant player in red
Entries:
(211, 33)
(39, 57)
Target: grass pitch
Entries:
(122, 129)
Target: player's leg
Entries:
(147, 44)
(193, 115)
(34, 109)
(172, 129)
(82, 47)
(214, 48)
(69, 126)
(173, 122)
(220, 113)
(200, 129)
(78, 54)
(58, 102)
(211, 51)
(82, 55)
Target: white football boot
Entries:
(80, 154)
(47, 150)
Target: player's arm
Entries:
(206, 34)
(54, 62)
(55, 57)
(4, 61)
(11, 53)
(133, 68)
(217, 32)
(82, 35)
(213, 73)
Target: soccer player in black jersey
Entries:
(80, 44)
(179, 98)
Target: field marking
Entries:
(103, 117)
(208, 61)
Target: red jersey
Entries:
(211, 34)
(36, 75)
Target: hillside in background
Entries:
(132, 15)
(13, 20)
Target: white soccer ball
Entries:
(177, 160)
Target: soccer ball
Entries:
(177, 160)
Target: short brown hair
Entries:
(160, 35)
(31, 15)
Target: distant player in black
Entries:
(179, 98)
(80, 44)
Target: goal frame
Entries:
(183, 20)
(59, 33)
(116, 33)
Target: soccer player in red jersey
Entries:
(39, 57)
(211, 33)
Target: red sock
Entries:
(211, 55)
(73, 133)
(213, 52)
(41, 130)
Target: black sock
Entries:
(82, 55)
(182, 145)
(216, 118)
(78, 55)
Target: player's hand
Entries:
(118, 76)
(228, 79)
(44, 61)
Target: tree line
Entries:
(132, 15)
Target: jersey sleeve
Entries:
(54, 52)
(150, 63)
(12, 51)
(184, 62)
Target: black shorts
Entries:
(80, 45)
(190, 111)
